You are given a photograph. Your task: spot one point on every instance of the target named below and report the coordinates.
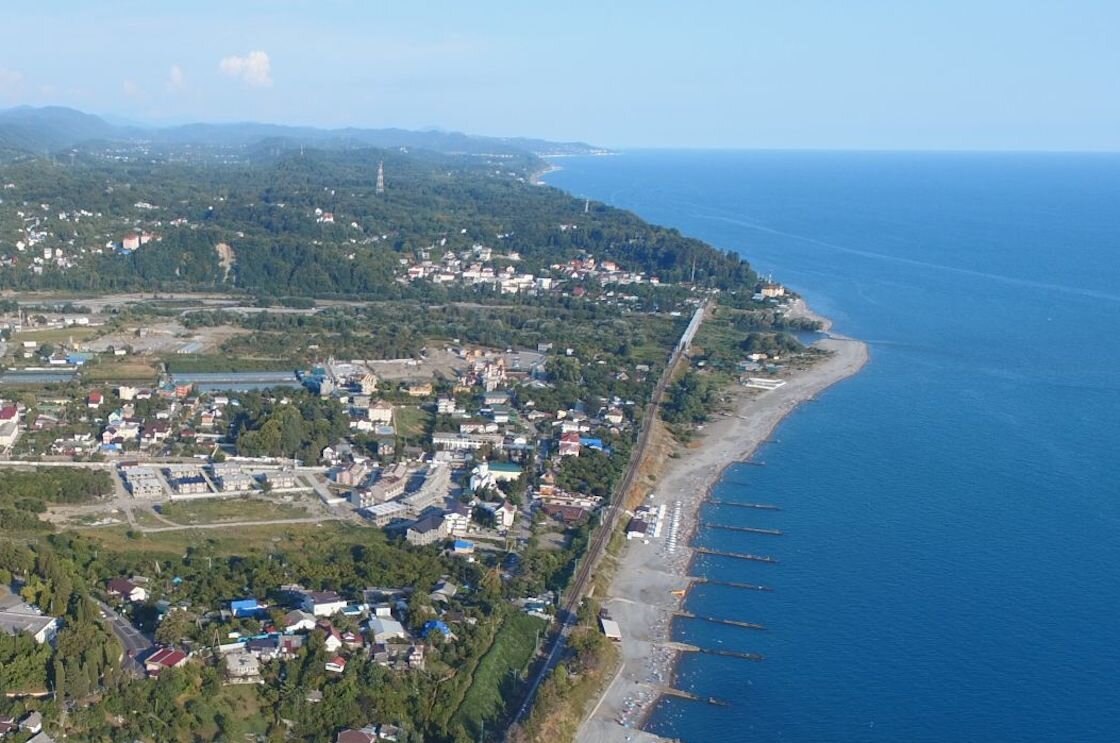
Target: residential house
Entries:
(350, 735)
(154, 433)
(298, 621)
(126, 590)
(352, 475)
(444, 591)
(281, 480)
(322, 603)
(24, 618)
(32, 723)
(383, 514)
(163, 658)
(190, 485)
(569, 444)
(336, 664)
(333, 638)
(384, 629)
(428, 530)
(568, 515)
(246, 608)
(457, 519)
(143, 482)
(235, 482)
(504, 515)
(9, 432)
(381, 412)
(419, 389)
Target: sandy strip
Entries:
(641, 597)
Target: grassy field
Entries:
(144, 517)
(411, 422)
(124, 369)
(241, 508)
(57, 335)
(240, 540)
(498, 672)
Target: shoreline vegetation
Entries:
(651, 580)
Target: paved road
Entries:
(134, 642)
(578, 587)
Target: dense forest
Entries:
(26, 493)
(264, 427)
(263, 206)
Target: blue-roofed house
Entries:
(246, 608)
(77, 359)
(591, 443)
(463, 547)
(436, 625)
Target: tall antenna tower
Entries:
(381, 177)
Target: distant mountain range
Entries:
(53, 128)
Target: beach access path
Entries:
(641, 597)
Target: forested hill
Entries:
(54, 128)
(282, 221)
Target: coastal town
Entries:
(247, 484)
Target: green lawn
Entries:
(239, 508)
(411, 421)
(240, 540)
(498, 673)
(121, 369)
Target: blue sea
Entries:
(950, 564)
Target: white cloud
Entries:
(254, 69)
(10, 81)
(175, 77)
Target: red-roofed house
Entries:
(164, 658)
(9, 413)
(93, 402)
(569, 444)
(336, 664)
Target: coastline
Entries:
(652, 579)
(536, 178)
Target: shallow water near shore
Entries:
(950, 515)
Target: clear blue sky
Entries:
(987, 74)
